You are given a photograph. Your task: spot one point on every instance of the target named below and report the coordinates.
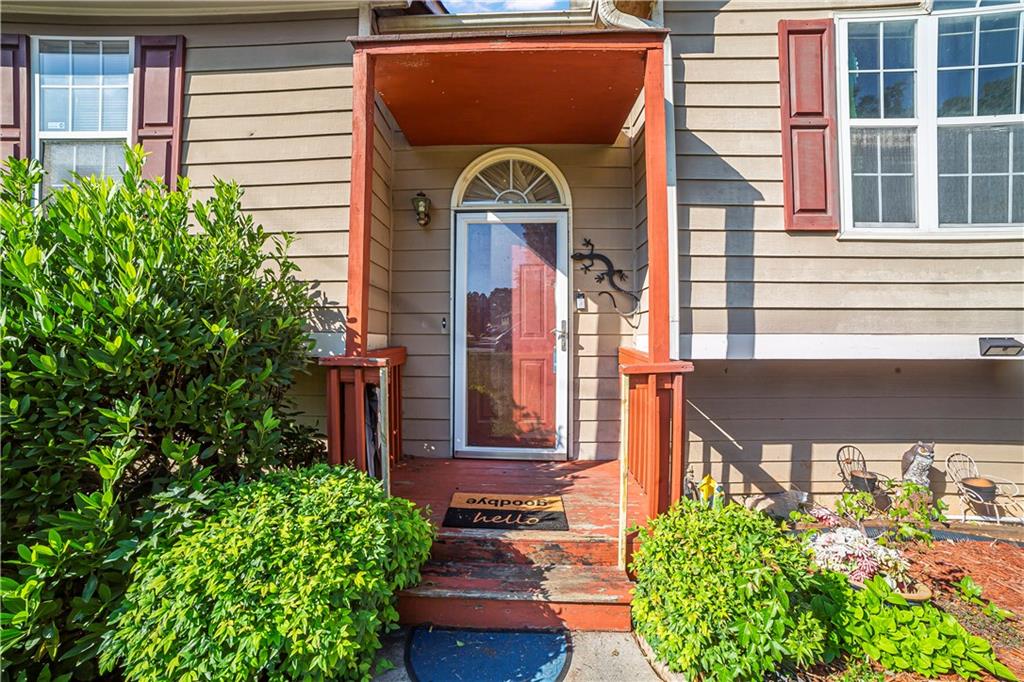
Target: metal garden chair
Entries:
(853, 470)
(980, 491)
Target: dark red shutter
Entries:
(159, 103)
(14, 93)
(810, 167)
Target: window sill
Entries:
(914, 235)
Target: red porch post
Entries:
(346, 391)
(656, 433)
(360, 202)
(334, 415)
(657, 207)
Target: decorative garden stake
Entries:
(707, 488)
(610, 274)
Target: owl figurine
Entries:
(917, 462)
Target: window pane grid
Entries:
(946, 5)
(989, 82)
(1019, 95)
(884, 170)
(512, 181)
(83, 86)
(83, 89)
(881, 66)
(62, 159)
(971, 85)
(981, 176)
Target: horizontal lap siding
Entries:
(762, 426)
(769, 426)
(380, 234)
(268, 104)
(638, 281)
(308, 395)
(601, 182)
(740, 272)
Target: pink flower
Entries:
(848, 551)
(824, 517)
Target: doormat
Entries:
(506, 512)
(435, 654)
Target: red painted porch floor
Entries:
(521, 579)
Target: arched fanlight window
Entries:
(512, 181)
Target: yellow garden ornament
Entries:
(707, 488)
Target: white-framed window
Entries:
(931, 121)
(82, 91)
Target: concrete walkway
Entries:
(596, 657)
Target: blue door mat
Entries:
(436, 654)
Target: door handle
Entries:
(562, 334)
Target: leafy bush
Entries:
(71, 581)
(722, 593)
(881, 624)
(139, 356)
(911, 514)
(293, 577)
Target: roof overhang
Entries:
(568, 88)
(174, 8)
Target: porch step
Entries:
(519, 596)
(523, 547)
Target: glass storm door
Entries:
(511, 335)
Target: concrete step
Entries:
(519, 596)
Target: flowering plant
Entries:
(852, 553)
(825, 517)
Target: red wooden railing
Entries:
(348, 437)
(654, 426)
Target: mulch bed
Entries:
(998, 567)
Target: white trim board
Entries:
(836, 346)
(926, 125)
(563, 369)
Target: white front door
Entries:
(511, 335)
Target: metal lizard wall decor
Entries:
(611, 275)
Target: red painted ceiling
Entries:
(511, 96)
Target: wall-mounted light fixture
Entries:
(421, 204)
(1000, 346)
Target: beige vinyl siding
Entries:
(309, 397)
(766, 426)
(638, 280)
(380, 233)
(760, 426)
(601, 180)
(268, 104)
(740, 272)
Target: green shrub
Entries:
(919, 638)
(138, 357)
(912, 513)
(722, 594)
(293, 577)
